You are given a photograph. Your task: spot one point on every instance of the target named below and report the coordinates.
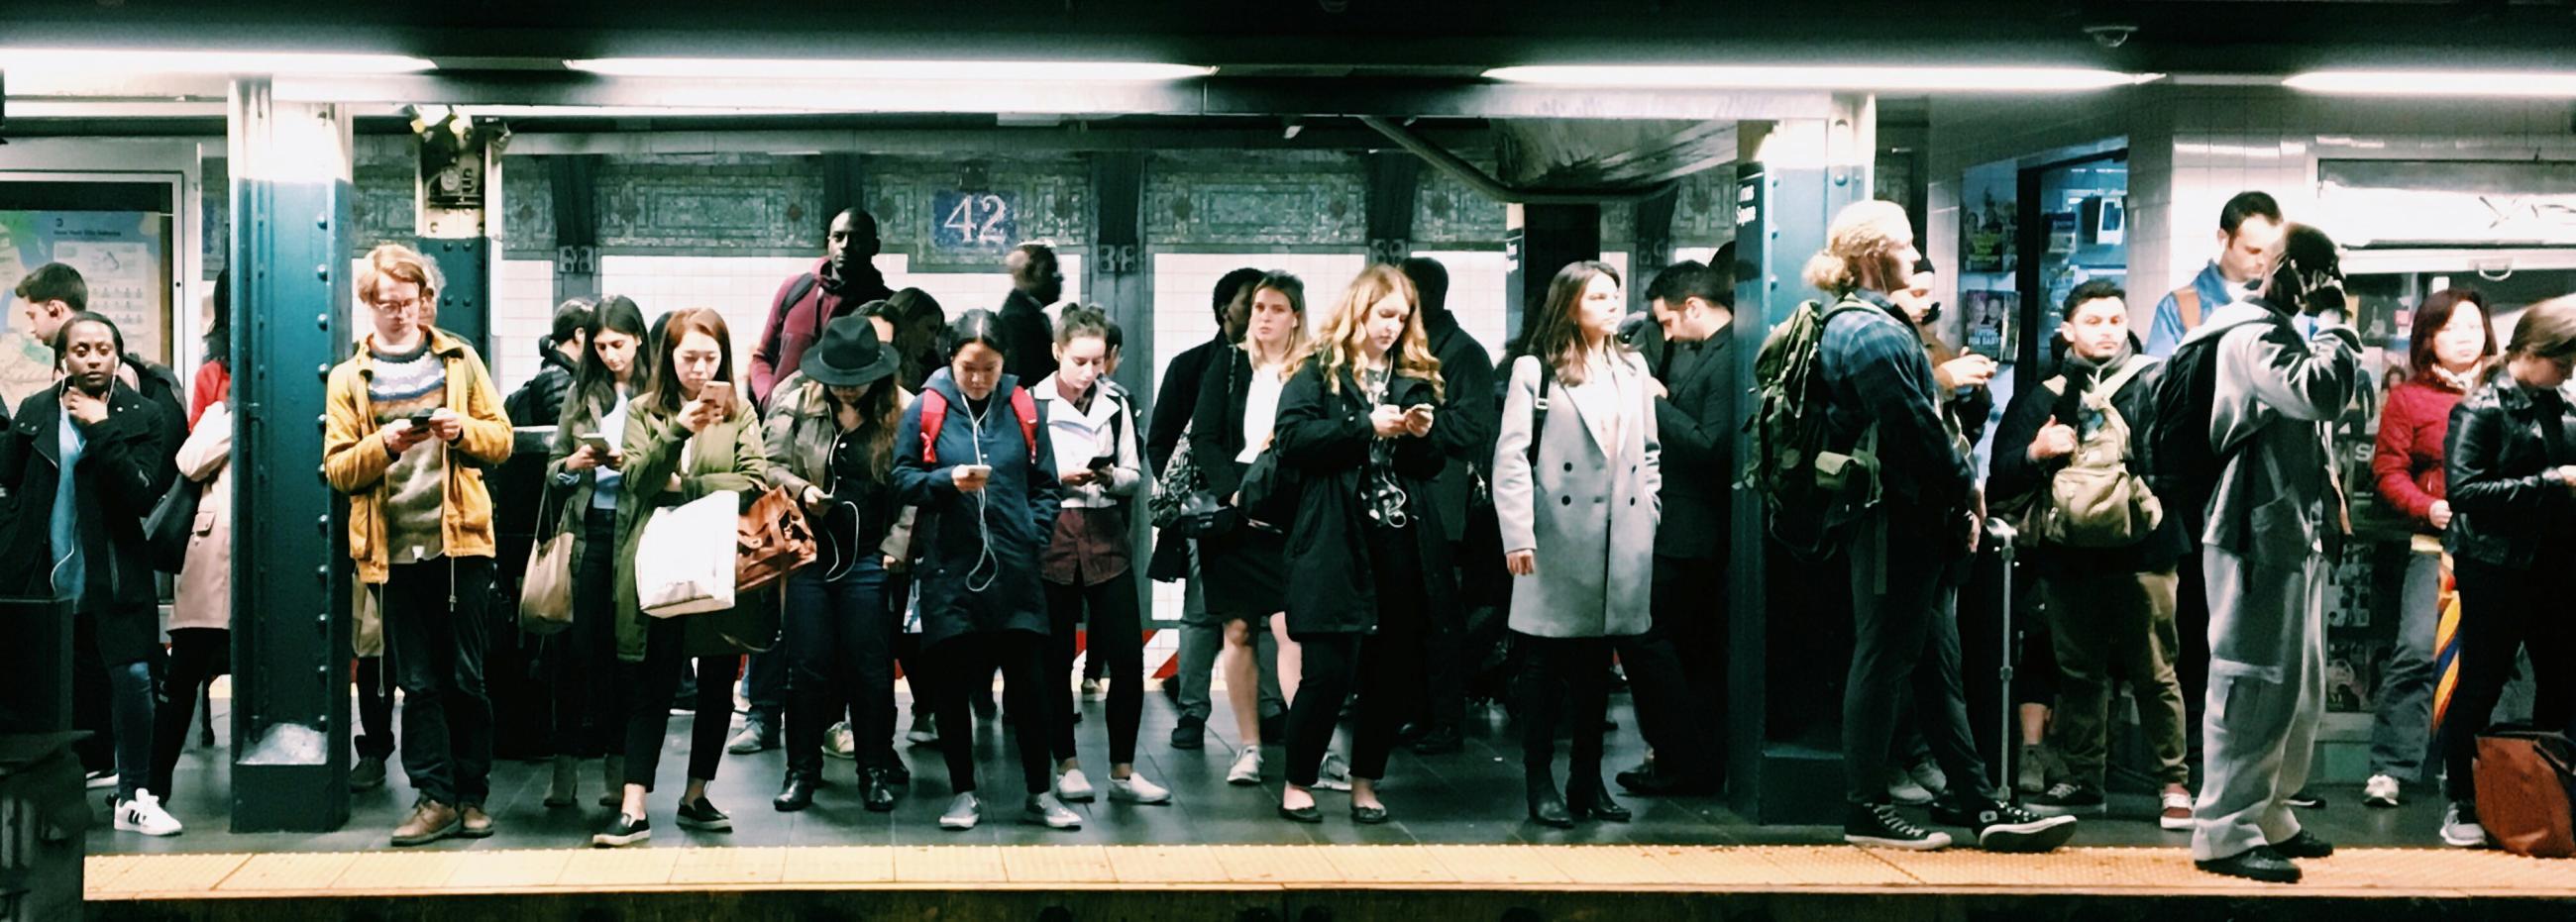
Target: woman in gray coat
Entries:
(1575, 486)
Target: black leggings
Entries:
(2502, 612)
(197, 656)
(1568, 678)
(589, 703)
(1117, 645)
(1386, 667)
(838, 646)
(648, 710)
(965, 661)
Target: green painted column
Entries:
(291, 290)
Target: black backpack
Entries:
(2182, 466)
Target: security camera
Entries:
(2111, 36)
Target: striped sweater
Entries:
(405, 384)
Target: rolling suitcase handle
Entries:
(2000, 536)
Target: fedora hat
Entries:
(848, 355)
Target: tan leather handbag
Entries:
(545, 588)
(774, 540)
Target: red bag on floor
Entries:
(2525, 779)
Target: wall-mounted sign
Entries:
(2416, 202)
(123, 256)
(974, 221)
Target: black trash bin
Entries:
(44, 825)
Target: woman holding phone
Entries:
(970, 454)
(1091, 434)
(1576, 487)
(1366, 550)
(583, 466)
(687, 435)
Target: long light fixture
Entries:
(102, 62)
(889, 70)
(1928, 79)
(2542, 84)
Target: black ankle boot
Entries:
(876, 793)
(1584, 796)
(796, 794)
(1546, 806)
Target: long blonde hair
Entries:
(1861, 250)
(1332, 346)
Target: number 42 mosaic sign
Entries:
(974, 222)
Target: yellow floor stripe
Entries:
(2377, 872)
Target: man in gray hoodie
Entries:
(2276, 520)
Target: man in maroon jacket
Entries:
(845, 278)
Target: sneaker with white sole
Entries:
(1902, 788)
(2460, 827)
(1134, 789)
(963, 812)
(1073, 787)
(1880, 826)
(143, 814)
(2380, 791)
(2068, 798)
(1045, 810)
(2174, 811)
(1334, 774)
(99, 780)
(924, 732)
(1247, 767)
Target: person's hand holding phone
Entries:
(1417, 419)
(970, 478)
(1968, 370)
(445, 425)
(1386, 421)
(403, 435)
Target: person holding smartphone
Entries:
(1087, 563)
(1366, 549)
(971, 455)
(687, 435)
(420, 528)
(585, 466)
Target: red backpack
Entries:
(934, 414)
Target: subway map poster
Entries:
(124, 256)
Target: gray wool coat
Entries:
(1589, 510)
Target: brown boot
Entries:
(473, 823)
(430, 821)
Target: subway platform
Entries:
(1458, 845)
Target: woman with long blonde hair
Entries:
(1366, 549)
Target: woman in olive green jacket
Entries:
(584, 483)
(687, 435)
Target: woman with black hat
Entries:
(831, 430)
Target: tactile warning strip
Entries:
(2108, 871)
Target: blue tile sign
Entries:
(974, 221)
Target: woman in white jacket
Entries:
(1577, 477)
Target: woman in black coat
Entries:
(1365, 550)
(1242, 566)
(2512, 486)
(987, 502)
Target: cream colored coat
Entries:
(204, 598)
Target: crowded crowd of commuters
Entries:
(1339, 489)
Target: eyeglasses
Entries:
(391, 308)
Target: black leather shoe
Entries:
(1368, 816)
(2304, 845)
(1588, 798)
(2257, 863)
(1440, 740)
(875, 791)
(1546, 806)
(1305, 814)
(796, 794)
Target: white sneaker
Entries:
(1072, 787)
(1247, 767)
(99, 780)
(1334, 774)
(143, 814)
(1134, 789)
(2380, 791)
(2173, 811)
(2460, 827)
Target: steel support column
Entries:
(574, 179)
(1119, 279)
(291, 197)
(458, 202)
(1394, 188)
(1784, 728)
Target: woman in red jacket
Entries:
(2452, 341)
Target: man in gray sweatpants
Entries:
(2275, 520)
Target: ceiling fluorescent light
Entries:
(2544, 84)
(134, 61)
(1920, 79)
(791, 69)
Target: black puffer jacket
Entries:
(2507, 505)
(540, 401)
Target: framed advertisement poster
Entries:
(1988, 318)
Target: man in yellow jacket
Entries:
(413, 419)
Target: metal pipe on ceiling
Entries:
(1445, 161)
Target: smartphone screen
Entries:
(1103, 462)
(599, 443)
(718, 394)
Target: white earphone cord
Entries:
(983, 503)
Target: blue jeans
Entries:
(2401, 729)
(838, 644)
